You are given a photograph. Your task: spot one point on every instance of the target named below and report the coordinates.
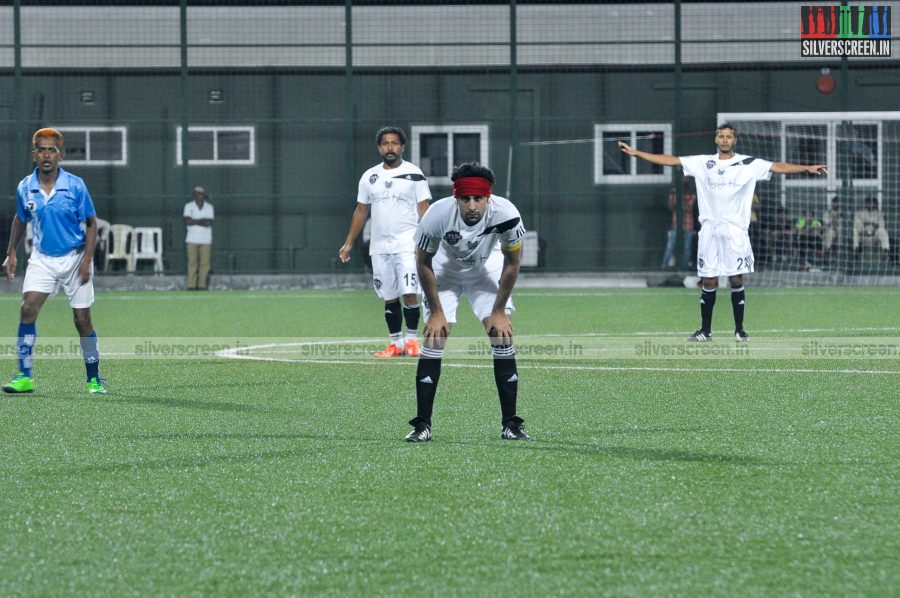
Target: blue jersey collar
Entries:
(62, 180)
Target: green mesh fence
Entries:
(281, 100)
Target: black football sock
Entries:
(428, 373)
(507, 378)
(737, 304)
(393, 315)
(707, 302)
(411, 315)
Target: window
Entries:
(852, 149)
(611, 165)
(95, 146)
(859, 153)
(218, 145)
(808, 143)
(437, 149)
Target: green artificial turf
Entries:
(204, 475)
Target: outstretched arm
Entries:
(788, 168)
(661, 159)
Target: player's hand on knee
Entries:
(436, 331)
(499, 329)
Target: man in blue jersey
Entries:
(56, 203)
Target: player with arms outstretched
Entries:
(725, 184)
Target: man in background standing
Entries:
(688, 205)
(198, 217)
(397, 194)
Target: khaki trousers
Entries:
(198, 258)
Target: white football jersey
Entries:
(725, 187)
(444, 232)
(394, 195)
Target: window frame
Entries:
(632, 177)
(879, 144)
(123, 131)
(215, 129)
(416, 147)
(827, 181)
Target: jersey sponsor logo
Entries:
(452, 237)
(373, 178)
(710, 164)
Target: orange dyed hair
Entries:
(47, 132)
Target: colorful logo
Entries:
(852, 31)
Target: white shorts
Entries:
(45, 274)
(394, 275)
(723, 249)
(479, 285)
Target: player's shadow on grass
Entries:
(633, 453)
(189, 463)
(649, 454)
(220, 436)
(203, 405)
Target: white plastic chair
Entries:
(148, 246)
(29, 238)
(119, 247)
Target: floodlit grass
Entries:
(228, 477)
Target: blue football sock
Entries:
(25, 346)
(91, 352)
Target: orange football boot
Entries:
(391, 350)
(412, 348)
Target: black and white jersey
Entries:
(394, 195)
(444, 232)
(725, 187)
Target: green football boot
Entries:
(97, 386)
(18, 384)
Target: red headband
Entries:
(471, 186)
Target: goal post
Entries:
(837, 228)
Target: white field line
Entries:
(237, 354)
(314, 295)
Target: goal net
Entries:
(838, 228)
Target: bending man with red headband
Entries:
(469, 244)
